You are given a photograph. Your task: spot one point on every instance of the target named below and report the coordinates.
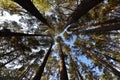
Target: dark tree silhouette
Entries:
(29, 6)
(7, 32)
(41, 68)
(82, 9)
(63, 69)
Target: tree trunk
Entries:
(30, 7)
(8, 33)
(41, 68)
(63, 69)
(82, 9)
(103, 29)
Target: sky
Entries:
(8, 17)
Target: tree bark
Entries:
(30, 7)
(63, 69)
(7, 33)
(41, 68)
(107, 22)
(82, 9)
(100, 30)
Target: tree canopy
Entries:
(59, 39)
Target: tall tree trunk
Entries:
(8, 32)
(101, 30)
(30, 7)
(82, 9)
(107, 22)
(63, 69)
(41, 68)
(47, 76)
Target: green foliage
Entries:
(9, 6)
(42, 5)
